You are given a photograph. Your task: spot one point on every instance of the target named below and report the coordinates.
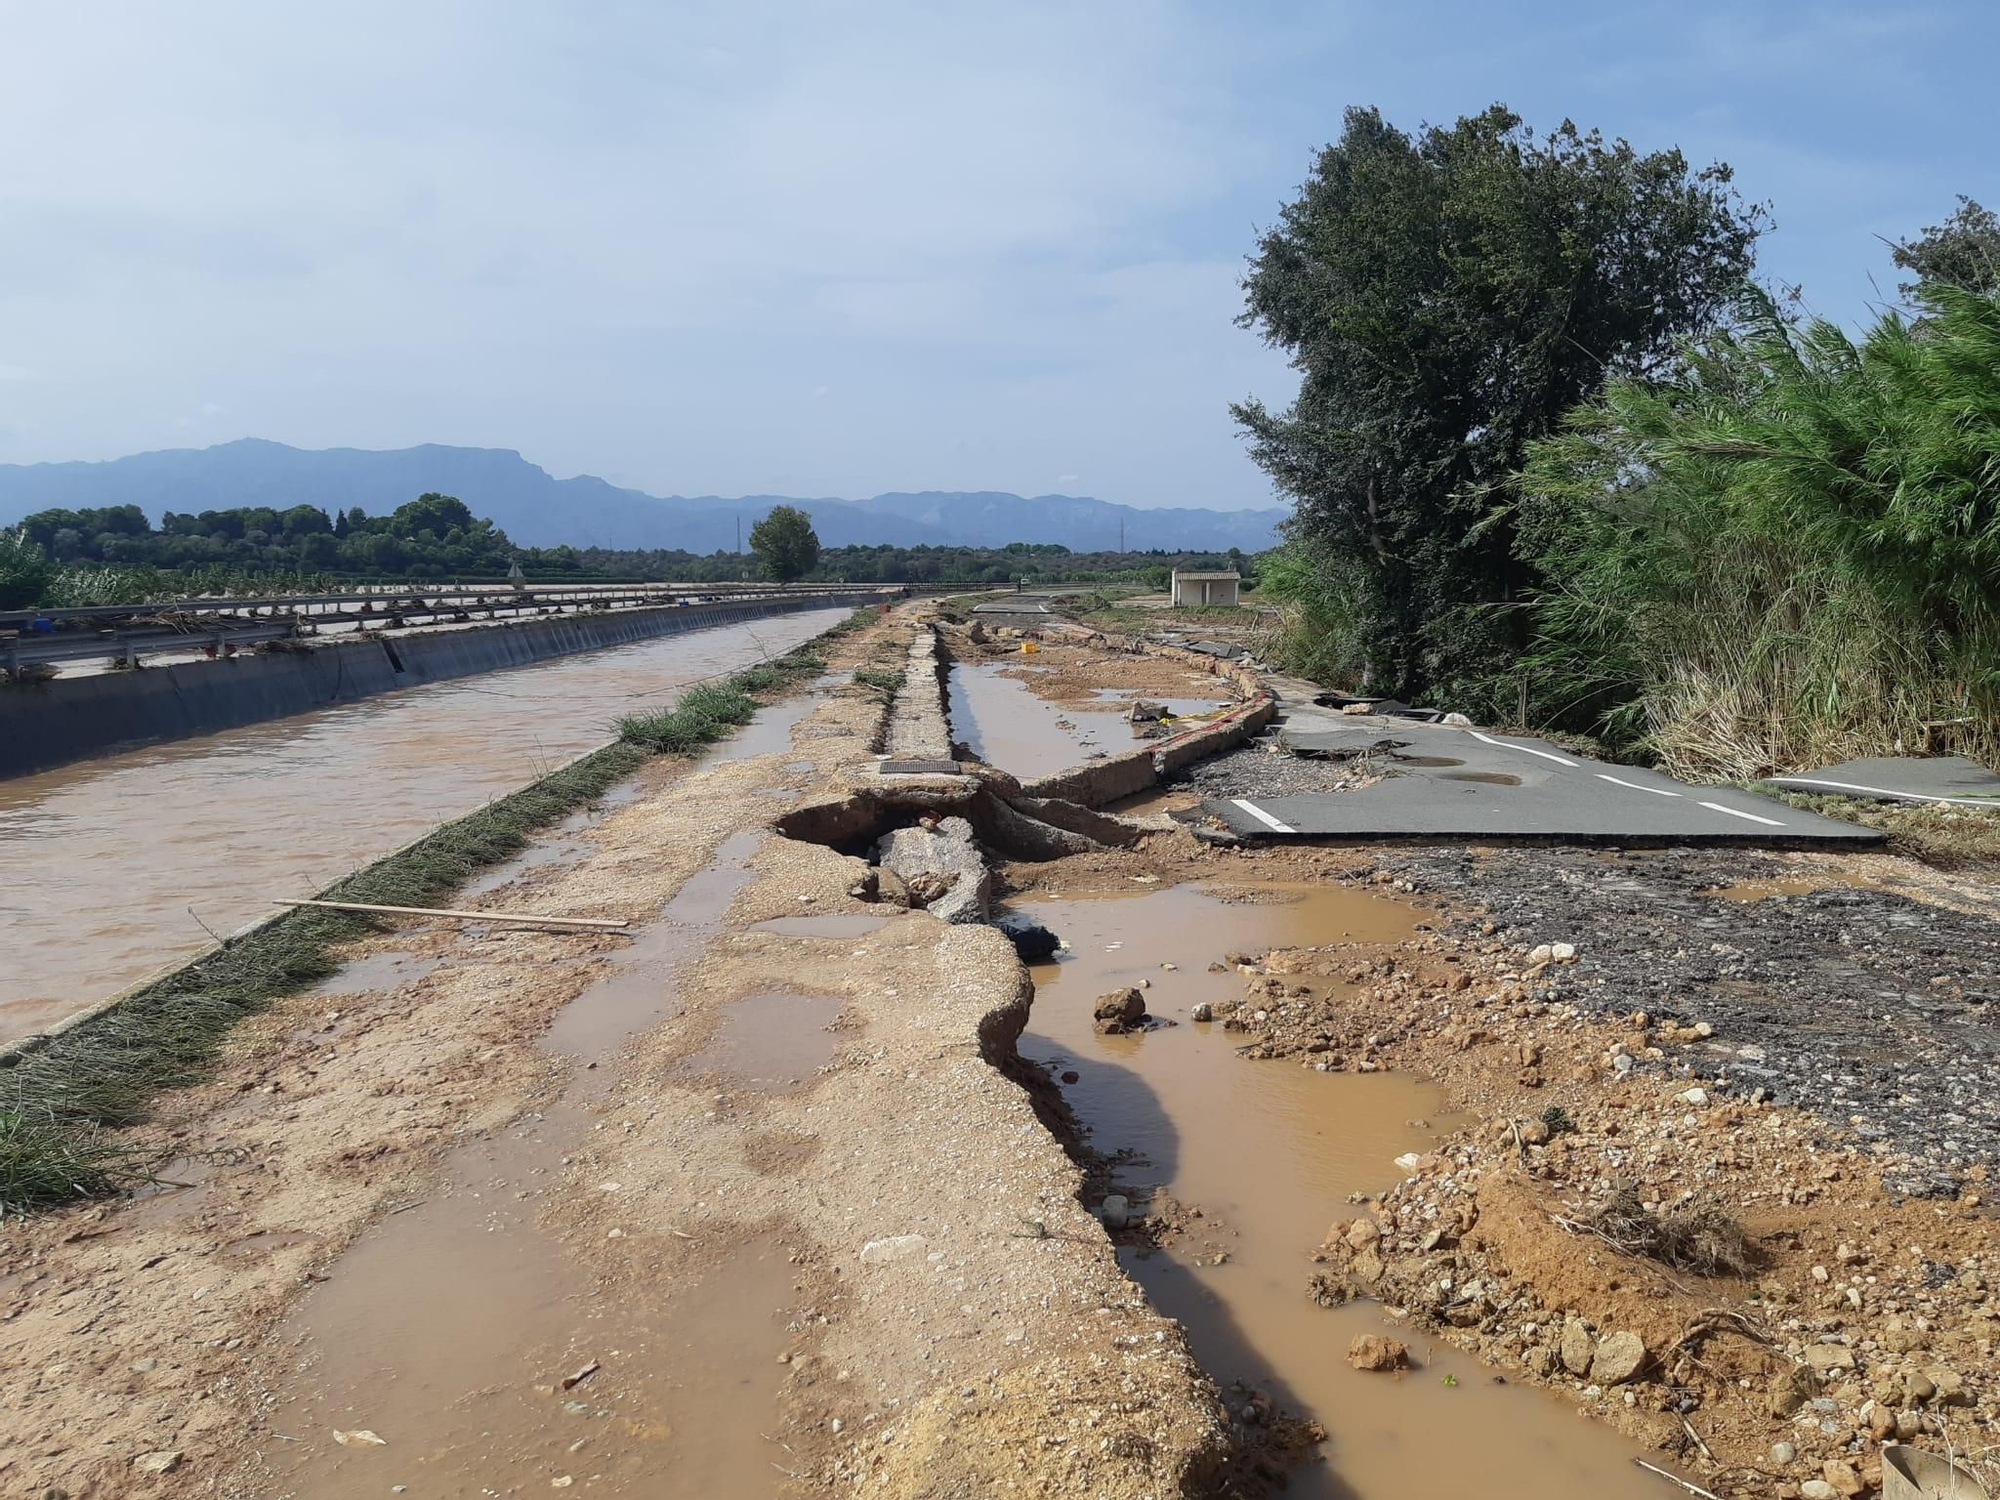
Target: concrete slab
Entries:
(1451, 782)
(1903, 778)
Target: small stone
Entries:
(143, 1366)
(1917, 1388)
(157, 1463)
(359, 1437)
(1618, 1358)
(1696, 1097)
(1951, 1389)
(1202, 1011)
(1783, 1453)
(1818, 1489)
(1116, 1211)
(1909, 1426)
(1841, 1476)
(1576, 1347)
(1821, 1275)
(1119, 1011)
(1362, 1233)
(1409, 1161)
(1789, 1390)
(1826, 1358)
(1539, 1362)
(1623, 1063)
(1562, 953)
(564, 1481)
(1370, 1351)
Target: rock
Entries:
(977, 634)
(1370, 1351)
(1696, 1096)
(1623, 1063)
(1576, 1347)
(1116, 1211)
(1827, 1358)
(157, 1463)
(1618, 1358)
(1881, 1422)
(1539, 1362)
(1535, 1133)
(1841, 1476)
(1563, 953)
(1951, 1389)
(1456, 721)
(1789, 1390)
(143, 1366)
(894, 1247)
(1541, 953)
(1783, 1453)
(1362, 1233)
(1119, 1011)
(1917, 1388)
(1032, 941)
(1367, 1267)
(1070, 1075)
(941, 867)
(1909, 1426)
(1144, 712)
(1409, 1161)
(360, 1437)
(1202, 1011)
(1818, 1489)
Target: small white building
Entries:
(1193, 590)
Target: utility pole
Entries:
(1121, 533)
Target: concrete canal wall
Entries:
(49, 724)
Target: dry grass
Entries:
(1952, 838)
(1702, 1238)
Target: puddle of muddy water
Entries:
(1006, 724)
(1272, 1150)
(771, 1043)
(376, 972)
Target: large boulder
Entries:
(1119, 1011)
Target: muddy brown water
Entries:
(122, 865)
(1272, 1150)
(450, 1328)
(1007, 725)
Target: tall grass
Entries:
(1788, 555)
(1322, 599)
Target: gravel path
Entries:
(1870, 1009)
(1254, 771)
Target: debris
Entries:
(570, 1382)
(359, 1437)
(1371, 1351)
(158, 1463)
(607, 923)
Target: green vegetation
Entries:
(56, 1103)
(882, 679)
(1445, 296)
(1557, 463)
(785, 544)
(1788, 553)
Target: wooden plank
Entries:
(465, 916)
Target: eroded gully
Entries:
(1269, 1154)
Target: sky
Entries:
(829, 248)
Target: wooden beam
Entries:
(465, 916)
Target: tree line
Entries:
(1557, 460)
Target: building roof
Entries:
(1238, 577)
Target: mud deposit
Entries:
(1860, 1004)
(127, 851)
(1236, 1168)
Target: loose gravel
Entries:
(1863, 1006)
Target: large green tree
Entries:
(1445, 295)
(1963, 251)
(786, 545)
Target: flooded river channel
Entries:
(118, 866)
(1269, 1152)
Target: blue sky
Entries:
(827, 248)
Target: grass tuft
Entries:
(44, 1163)
(880, 678)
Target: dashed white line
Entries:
(1263, 817)
(1752, 817)
(1528, 749)
(1657, 791)
(1848, 786)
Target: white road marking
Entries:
(1657, 791)
(1718, 807)
(1529, 749)
(1263, 817)
(1848, 786)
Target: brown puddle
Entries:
(825, 925)
(1272, 1150)
(111, 840)
(449, 1328)
(772, 1042)
(376, 973)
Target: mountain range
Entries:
(538, 510)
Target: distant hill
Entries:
(538, 510)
